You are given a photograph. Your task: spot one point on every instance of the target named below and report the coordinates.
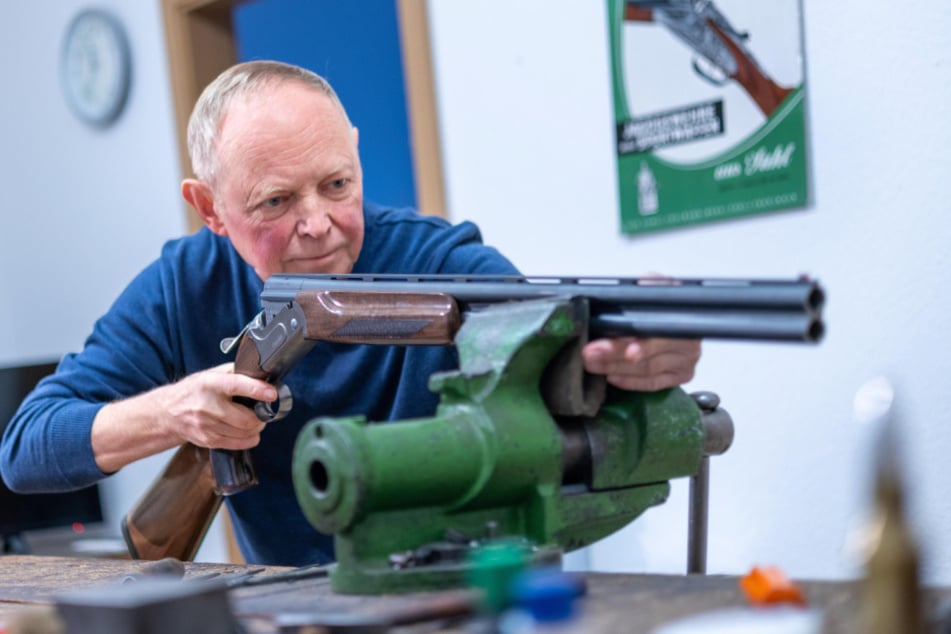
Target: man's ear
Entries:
(199, 196)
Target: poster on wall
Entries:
(709, 110)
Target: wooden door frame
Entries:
(200, 43)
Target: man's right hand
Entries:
(199, 409)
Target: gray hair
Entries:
(240, 80)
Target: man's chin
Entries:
(324, 265)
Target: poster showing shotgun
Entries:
(709, 107)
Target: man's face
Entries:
(289, 191)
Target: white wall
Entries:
(83, 209)
(524, 98)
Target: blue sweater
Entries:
(167, 325)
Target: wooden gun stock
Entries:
(171, 519)
(638, 14)
(766, 93)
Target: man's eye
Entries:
(273, 201)
(339, 183)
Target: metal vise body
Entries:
(523, 443)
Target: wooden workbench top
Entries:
(614, 602)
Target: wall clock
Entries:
(96, 67)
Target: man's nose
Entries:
(313, 218)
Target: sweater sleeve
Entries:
(47, 446)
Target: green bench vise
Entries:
(523, 445)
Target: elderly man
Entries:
(279, 188)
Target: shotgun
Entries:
(298, 310)
(703, 28)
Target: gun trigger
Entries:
(285, 401)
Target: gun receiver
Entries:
(299, 310)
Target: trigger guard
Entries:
(285, 401)
(714, 79)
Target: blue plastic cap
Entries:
(549, 595)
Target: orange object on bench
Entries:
(769, 585)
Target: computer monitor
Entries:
(21, 513)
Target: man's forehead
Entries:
(272, 110)
(269, 128)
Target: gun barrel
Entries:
(778, 310)
(712, 324)
(604, 292)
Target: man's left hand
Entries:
(644, 365)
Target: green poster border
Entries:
(766, 171)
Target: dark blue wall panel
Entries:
(355, 45)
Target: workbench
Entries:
(613, 603)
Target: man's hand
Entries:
(644, 365)
(199, 409)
